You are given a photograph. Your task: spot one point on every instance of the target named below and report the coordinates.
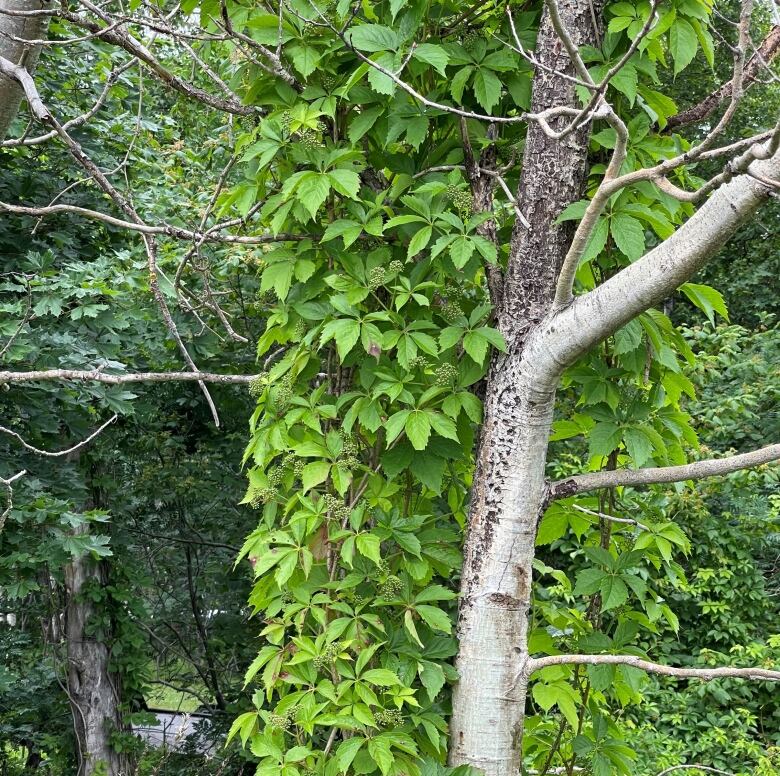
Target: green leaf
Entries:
(628, 338)
(346, 752)
(707, 299)
(381, 83)
(419, 241)
(629, 235)
(461, 250)
(362, 122)
(434, 55)
(346, 182)
(312, 191)
(379, 749)
(626, 82)
(395, 424)
(476, 346)
(588, 581)
(418, 429)
(314, 473)
(639, 446)
(372, 38)
(278, 277)
(458, 83)
(346, 332)
(604, 438)
(435, 617)
(614, 592)
(683, 43)
(487, 89)
(553, 525)
(381, 677)
(368, 545)
(304, 58)
(432, 678)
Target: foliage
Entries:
(374, 331)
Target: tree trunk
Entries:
(24, 28)
(509, 485)
(92, 688)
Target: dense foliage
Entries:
(370, 311)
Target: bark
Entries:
(756, 67)
(27, 28)
(509, 489)
(507, 495)
(93, 690)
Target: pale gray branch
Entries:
(97, 375)
(704, 674)
(59, 453)
(710, 467)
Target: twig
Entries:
(59, 453)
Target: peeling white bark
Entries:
(509, 489)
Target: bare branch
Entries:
(610, 518)
(766, 52)
(9, 501)
(167, 230)
(704, 674)
(121, 38)
(97, 375)
(586, 227)
(710, 467)
(60, 453)
(78, 120)
(696, 767)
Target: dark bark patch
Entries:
(507, 601)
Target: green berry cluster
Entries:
(262, 496)
(376, 278)
(336, 508)
(284, 120)
(463, 202)
(451, 311)
(275, 476)
(291, 461)
(300, 331)
(445, 374)
(257, 386)
(469, 38)
(389, 718)
(419, 362)
(308, 138)
(454, 291)
(283, 393)
(395, 266)
(329, 82)
(325, 660)
(283, 721)
(383, 567)
(391, 587)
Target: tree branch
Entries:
(704, 674)
(96, 375)
(572, 331)
(766, 52)
(59, 453)
(711, 467)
